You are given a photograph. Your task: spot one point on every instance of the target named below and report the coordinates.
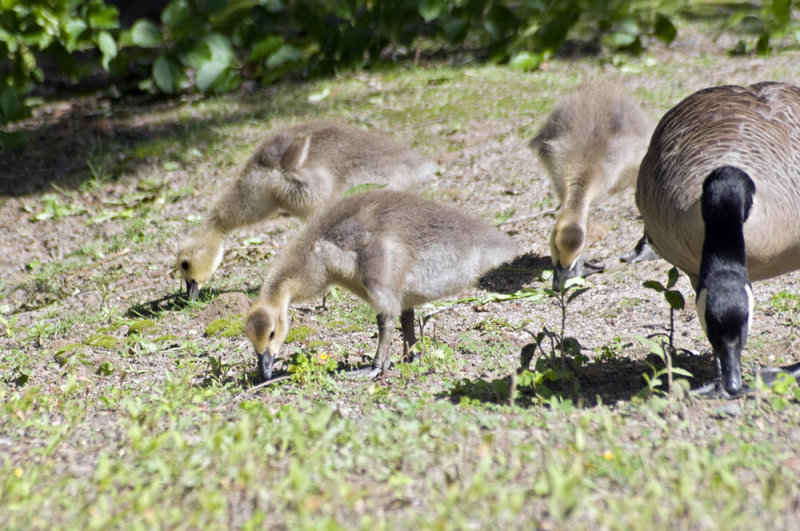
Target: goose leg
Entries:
(409, 336)
(381, 361)
(641, 252)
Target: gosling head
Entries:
(198, 258)
(266, 328)
(566, 244)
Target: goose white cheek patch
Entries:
(749, 291)
(702, 295)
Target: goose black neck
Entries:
(726, 200)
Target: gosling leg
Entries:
(409, 336)
(381, 362)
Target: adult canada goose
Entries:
(719, 191)
(393, 249)
(591, 145)
(300, 169)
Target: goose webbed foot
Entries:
(715, 389)
(581, 268)
(641, 252)
(770, 374)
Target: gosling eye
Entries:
(272, 334)
(185, 265)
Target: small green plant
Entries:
(19, 372)
(40, 331)
(474, 392)
(673, 297)
(106, 368)
(787, 303)
(769, 21)
(10, 326)
(653, 380)
(664, 350)
(613, 351)
(782, 392)
(307, 368)
(559, 342)
(561, 355)
(218, 369)
(52, 209)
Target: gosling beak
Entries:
(729, 356)
(192, 290)
(265, 362)
(581, 268)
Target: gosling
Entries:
(300, 169)
(591, 146)
(393, 249)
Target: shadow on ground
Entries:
(606, 381)
(511, 277)
(176, 302)
(68, 143)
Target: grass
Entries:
(124, 407)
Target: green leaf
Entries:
(672, 277)
(762, 45)
(168, 73)
(575, 294)
(10, 105)
(675, 299)
(208, 73)
(681, 372)
(654, 285)
(627, 25)
(213, 71)
(553, 33)
(781, 11)
(107, 46)
(286, 54)
(431, 9)
(619, 39)
(455, 29)
(500, 23)
(176, 14)
(209, 7)
(146, 34)
(664, 29)
(220, 47)
(265, 47)
(579, 282)
(571, 346)
(73, 28)
(101, 16)
(526, 61)
(654, 346)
